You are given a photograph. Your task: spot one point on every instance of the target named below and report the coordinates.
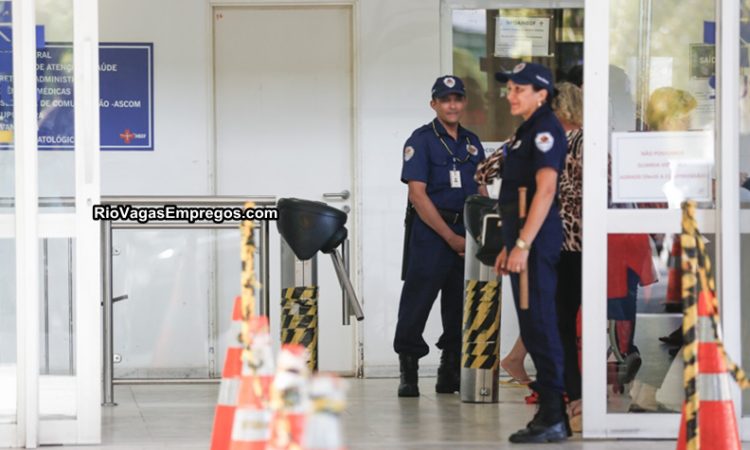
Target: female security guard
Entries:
(534, 158)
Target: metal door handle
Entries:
(343, 195)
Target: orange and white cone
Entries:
(716, 418)
(229, 388)
(323, 430)
(289, 399)
(252, 419)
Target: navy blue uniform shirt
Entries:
(427, 159)
(539, 142)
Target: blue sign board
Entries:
(126, 97)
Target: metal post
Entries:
(481, 316)
(346, 285)
(264, 308)
(346, 311)
(297, 274)
(107, 330)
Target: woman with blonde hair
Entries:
(568, 107)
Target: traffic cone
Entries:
(718, 424)
(708, 419)
(323, 430)
(230, 383)
(251, 429)
(289, 399)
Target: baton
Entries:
(524, 275)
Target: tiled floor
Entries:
(180, 417)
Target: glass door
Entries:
(50, 356)
(651, 143)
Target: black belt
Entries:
(451, 217)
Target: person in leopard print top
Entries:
(568, 107)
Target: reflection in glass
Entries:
(662, 80)
(644, 365)
(476, 61)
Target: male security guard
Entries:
(439, 163)
(533, 159)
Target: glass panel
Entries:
(57, 387)
(163, 328)
(662, 111)
(8, 358)
(55, 97)
(8, 342)
(477, 55)
(644, 373)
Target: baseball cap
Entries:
(447, 85)
(528, 73)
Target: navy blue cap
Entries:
(447, 85)
(528, 73)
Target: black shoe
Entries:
(629, 368)
(550, 423)
(449, 373)
(409, 385)
(537, 433)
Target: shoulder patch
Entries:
(544, 141)
(408, 153)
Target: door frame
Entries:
(32, 224)
(357, 163)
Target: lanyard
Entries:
(455, 160)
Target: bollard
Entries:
(480, 361)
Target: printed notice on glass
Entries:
(522, 36)
(662, 166)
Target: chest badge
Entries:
(516, 145)
(544, 141)
(408, 153)
(472, 150)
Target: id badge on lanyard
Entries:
(455, 178)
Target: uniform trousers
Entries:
(538, 324)
(432, 267)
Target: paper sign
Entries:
(522, 36)
(662, 166)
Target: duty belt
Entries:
(451, 217)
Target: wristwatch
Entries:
(520, 243)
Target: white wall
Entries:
(398, 57)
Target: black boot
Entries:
(409, 386)
(550, 424)
(449, 373)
